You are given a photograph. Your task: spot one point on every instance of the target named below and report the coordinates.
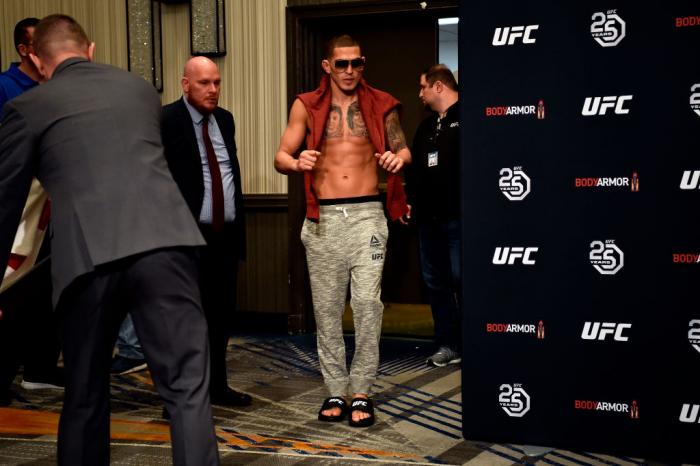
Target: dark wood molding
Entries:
(265, 201)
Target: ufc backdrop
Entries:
(581, 168)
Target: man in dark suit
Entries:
(122, 239)
(200, 148)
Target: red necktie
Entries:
(217, 187)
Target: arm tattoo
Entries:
(355, 121)
(394, 134)
(334, 124)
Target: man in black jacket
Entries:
(433, 195)
(201, 152)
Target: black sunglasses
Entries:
(342, 65)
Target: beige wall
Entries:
(253, 70)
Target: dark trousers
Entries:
(218, 272)
(441, 256)
(29, 330)
(160, 290)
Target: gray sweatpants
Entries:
(348, 244)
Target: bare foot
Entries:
(335, 411)
(359, 415)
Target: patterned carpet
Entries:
(419, 414)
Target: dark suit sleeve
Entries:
(240, 209)
(17, 167)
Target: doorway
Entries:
(399, 40)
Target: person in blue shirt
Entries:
(23, 75)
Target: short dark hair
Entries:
(22, 31)
(340, 41)
(55, 32)
(441, 73)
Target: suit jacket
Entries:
(184, 160)
(91, 135)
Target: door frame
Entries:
(302, 75)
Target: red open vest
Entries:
(375, 105)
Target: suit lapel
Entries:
(187, 128)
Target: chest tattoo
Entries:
(355, 121)
(335, 125)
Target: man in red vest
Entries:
(351, 130)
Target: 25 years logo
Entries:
(514, 400)
(514, 183)
(608, 29)
(606, 257)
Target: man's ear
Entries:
(185, 83)
(326, 65)
(23, 50)
(38, 64)
(91, 51)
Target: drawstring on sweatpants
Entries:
(345, 210)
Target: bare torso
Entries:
(347, 166)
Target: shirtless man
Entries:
(351, 130)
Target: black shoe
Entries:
(122, 365)
(165, 414)
(230, 397)
(53, 379)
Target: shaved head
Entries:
(201, 83)
(57, 38)
(195, 64)
(59, 34)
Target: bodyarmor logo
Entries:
(689, 413)
(608, 29)
(514, 183)
(609, 406)
(695, 98)
(514, 400)
(508, 255)
(691, 179)
(508, 35)
(600, 331)
(537, 330)
(606, 257)
(593, 106)
(694, 334)
(609, 182)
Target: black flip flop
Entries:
(330, 403)
(364, 405)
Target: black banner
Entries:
(580, 128)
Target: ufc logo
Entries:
(509, 255)
(508, 35)
(600, 331)
(600, 105)
(690, 179)
(689, 413)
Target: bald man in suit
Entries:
(200, 147)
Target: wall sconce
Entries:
(207, 28)
(143, 30)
